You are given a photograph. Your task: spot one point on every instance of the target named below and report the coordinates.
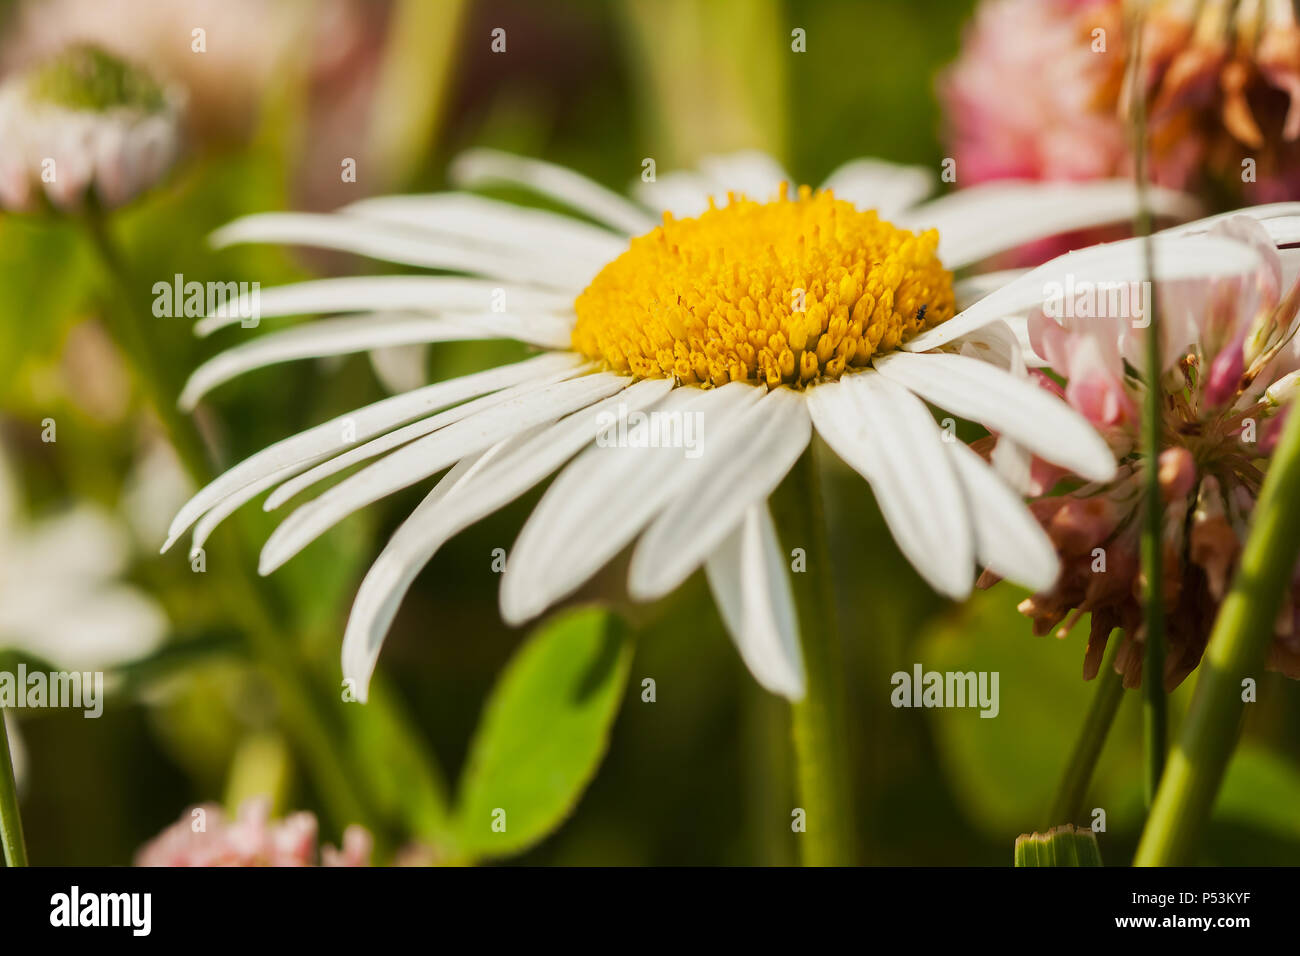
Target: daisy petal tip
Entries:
(270, 560)
(516, 609)
(357, 675)
(1047, 579)
(792, 689)
(639, 588)
(1038, 574)
(1099, 464)
(189, 399)
(951, 584)
(646, 584)
(227, 235)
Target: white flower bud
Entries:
(1283, 390)
(84, 121)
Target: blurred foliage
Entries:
(701, 775)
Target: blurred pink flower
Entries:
(204, 837)
(1021, 98)
(1039, 92)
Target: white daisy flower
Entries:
(768, 319)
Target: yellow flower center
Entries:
(791, 291)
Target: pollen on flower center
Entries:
(790, 291)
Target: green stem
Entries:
(1237, 650)
(820, 730)
(11, 824)
(302, 709)
(154, 377)
(1155, 710)
(1067, 805)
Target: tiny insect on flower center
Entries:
(791, 292)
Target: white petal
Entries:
(359, 333)
(684, 193)
(737, 469)
(408, 433)
(751, 172)
(229, 505)
(391, 243)
(1014, 464)
(1276, 210)
(380, 293)
(888, 436)
(1008, 540)
(979, 221)
(603, 499)
(481, 486)
(305, 448)
(1176, 257)
(996, 344)
(400, 368)
(1283, 230)
(1015, 407)
(428, 455)
(391, 574)
(493, 223)
(885, 187)
(749, 579)
(973, 288)
(487, 167)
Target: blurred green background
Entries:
(701, 775)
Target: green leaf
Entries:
(543, 733)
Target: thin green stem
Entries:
(302, 709)
(820, 731)
(1155, 709)
(1236, 651)
(11, 824)
(155, 377)
(1067, 805)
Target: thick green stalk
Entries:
(11, 824)
(822, 768)
(1155, 705)
(1237, 650)
(1067, 805)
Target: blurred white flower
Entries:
(244, 43)
(84, 124)
(60, 600)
